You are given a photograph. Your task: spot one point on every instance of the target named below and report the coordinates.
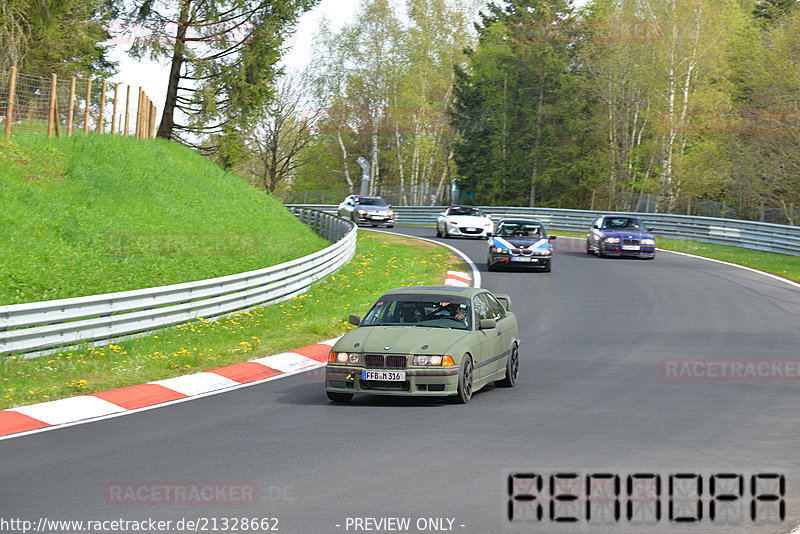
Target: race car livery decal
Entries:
(541, 244)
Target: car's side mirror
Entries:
(552, 237)
(443, 213)
(488, 324)
(504, 299)
(595, 226)
(354, 320)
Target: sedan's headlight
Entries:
(498, 250)
(541, 252)
(647, 241)
(344, 357)
(451, 223)
(433, 361)
(611, 240)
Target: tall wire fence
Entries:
(40, 106)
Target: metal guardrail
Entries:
(746, 234)
(56, 323)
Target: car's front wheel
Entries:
(465, 381)
(339, 397)
(438, 232)
(512, 370)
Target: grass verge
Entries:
(382, 261)
(782, 265)
(98, 214)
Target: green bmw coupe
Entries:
(428, 341)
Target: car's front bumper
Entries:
(434, 382)
(645, 251)
(371, 218)
(467, 231)
(530, 261)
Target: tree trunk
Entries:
(535, 169)
(344, 161)
(178, 55)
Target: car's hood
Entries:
(522, 242)
(468, 220)
(625, 232)
(400, 340)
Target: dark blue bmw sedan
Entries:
(620, 235)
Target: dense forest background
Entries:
(657, 105)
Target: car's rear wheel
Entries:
(389, 226)
(512, 370)
(339, 397)
(465, 381)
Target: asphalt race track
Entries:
(595, 395)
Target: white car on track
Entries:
(464, 221)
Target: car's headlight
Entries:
(648, 241)
(498, 250)
(611, 240)
(344, 357)
(451, 223)
(390, 213)
(434, 361)
(541, 252)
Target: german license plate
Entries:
(378, 217)
(630, 247)
(392, 376)
(470, 229)
(524, 258)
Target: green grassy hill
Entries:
(83, 216)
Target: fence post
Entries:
(138, 114)
(114, 113)
(12, 87)
(51, 116)
(153, 122)
(127, 112)
(100, 121)
(71, 105)
(88, 105)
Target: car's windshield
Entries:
(420, 310)
(370, 201)
(465, 210)
(531, 230)
(622, 223)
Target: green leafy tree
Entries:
(223, 56)
(518, 110)
(41, 37)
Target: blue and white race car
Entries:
(520, 243)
